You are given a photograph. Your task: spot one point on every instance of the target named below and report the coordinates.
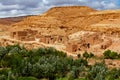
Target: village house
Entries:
(34, 35)
(54, 37)
(24, 35)
(71, 47)
(20, 35)
(51, 39)
(74, 47)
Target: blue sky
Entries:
(119, 2)
(12, 8)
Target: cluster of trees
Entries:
(18, 63)
(108, 54)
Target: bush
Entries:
(119, 55)
(79, 55)
(86, 55)
(113, 55)
(110, 55)
(106, 54)
(91, 55)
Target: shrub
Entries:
(85, 55)
(119, 55)
(110, 55)
(91, 55)
(113, 55)
(106, 54)
(79, 55)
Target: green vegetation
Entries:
(108, 54)
(18, 63)
(87, 55)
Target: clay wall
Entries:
(62, 39)
(45, 39)
(21, 33)
(12, 34)
(51, 39)
(25, 35)
(71, 47)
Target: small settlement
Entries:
(83, 44)
(35, 35)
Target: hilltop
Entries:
(59, 15)
(71, 19)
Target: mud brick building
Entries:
(24, 35)
(71, 47)
(51, 39)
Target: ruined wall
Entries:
(25, 35)
(70, 47)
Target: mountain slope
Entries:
(70, 19)
(11, 20)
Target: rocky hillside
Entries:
(57, 14)
(71, 19)
(11, 20)
(6, 22)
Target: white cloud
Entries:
(7, 7)
(111, 6)
(45, 2)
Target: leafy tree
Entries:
(17, 63)
(106, 53)
(119, 55)
(71, 75)
(3, 77)
(113, 55)
(113, 74)
(110, 55)
(3, 52)
(97, 72)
